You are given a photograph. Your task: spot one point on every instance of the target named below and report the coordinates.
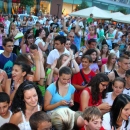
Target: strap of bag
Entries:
(83, 77)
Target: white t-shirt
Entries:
(107, 126)
(115, 52)
(54, 54)
(3, 120)
(126, 91)
(108, 99)
(38, 40)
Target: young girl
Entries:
(29, 41)
(66, 60)
(19, 73)
(118, 87)
(92, 34)
(110, 65)
(104, 54)
(27, 101)
(118, 117)
(60, 93)
(94, 92)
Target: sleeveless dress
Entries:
(90, 103)
(25, 124)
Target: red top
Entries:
(78, 80)
(90, 103)
(84, 128)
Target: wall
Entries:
(68, 8)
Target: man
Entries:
(124, 65)
(7, 58)
(127, 86)
(59, 44)
(71, 38)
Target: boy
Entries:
(7, 58)
(40, 121)
(5, 114)
(115, 50)
(92, 119)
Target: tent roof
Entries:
(97, 13)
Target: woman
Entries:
(17, 22)
(13, 31)
(104, 54)
(60, 93)
(24, 24)
(94, 55)
(66, 119)
(95, 91)
(29, 41)
(30, 22)
(118, 117)
(118, 86)
(40, 34)
(27, 101)
(110, 65)
(2, 35)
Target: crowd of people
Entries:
(65, 73)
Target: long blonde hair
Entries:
(63, 119)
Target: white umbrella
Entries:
(97, 13)
(122, 19)
(116, 14)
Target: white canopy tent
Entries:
(116, 14)
(97, 13)
(122, 19)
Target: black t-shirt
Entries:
(74, 48)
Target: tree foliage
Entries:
(83, 5)
(29, 3)
(122, 10)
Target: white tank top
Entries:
(25, 124)
(106, 69)
(3, 120)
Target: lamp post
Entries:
(58, 9)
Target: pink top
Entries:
(91, 37)
(104, 60)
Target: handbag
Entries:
(85, 81)
(19, 35)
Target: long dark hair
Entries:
(18, 103)
(94, 83)
(119, 103)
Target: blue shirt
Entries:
(7, 63)
(56, 97)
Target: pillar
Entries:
(56, 7)
(9, 6)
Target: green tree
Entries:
(122, 10)
(83, 5)
(29, 3)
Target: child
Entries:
(115, 50)
(92, 119)
(5, 113)
(40, 121)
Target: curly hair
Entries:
(94, 83)
(18, 103)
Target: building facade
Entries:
(65, 6)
